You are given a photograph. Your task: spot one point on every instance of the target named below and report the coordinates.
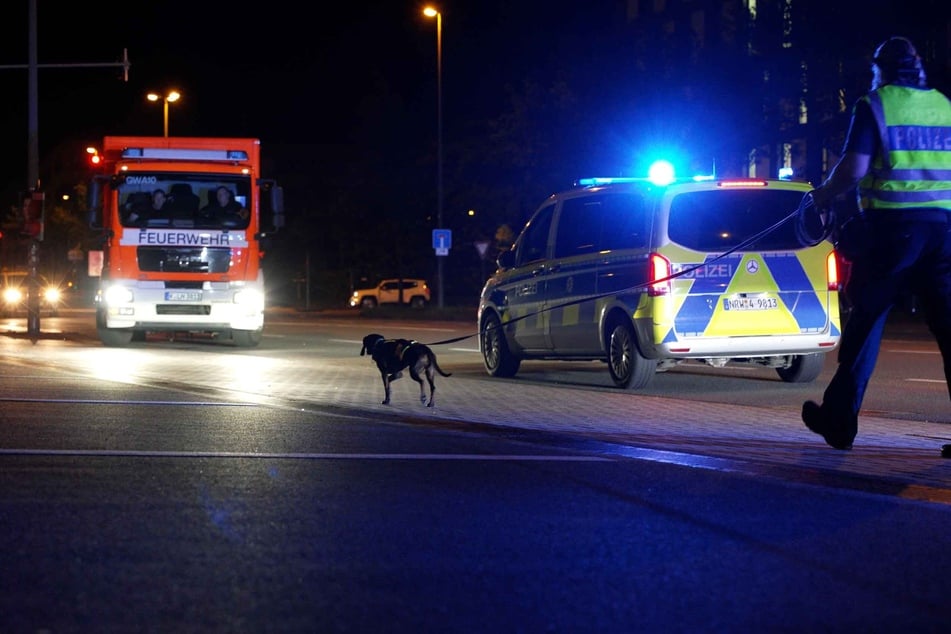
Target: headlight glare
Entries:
(115, 295)
(249, 297)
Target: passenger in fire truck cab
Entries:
(150, 207)
(158, 201)
(225, 208)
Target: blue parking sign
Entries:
(442, 240)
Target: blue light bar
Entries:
(608, 180)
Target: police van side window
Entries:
(626, 223)
(603, 222)
(533, 243)
(579, 226)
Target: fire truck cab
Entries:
(182, 220)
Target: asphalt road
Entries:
(190, 486)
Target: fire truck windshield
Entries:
(184, 201)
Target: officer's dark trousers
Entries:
(910, 252)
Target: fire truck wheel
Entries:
(115, 337)
(246, 338)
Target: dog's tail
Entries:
(432, 357)
(363, 350)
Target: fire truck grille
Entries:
(183, 309)
(184, 260)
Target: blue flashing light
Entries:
(785, 173)
(661, 173)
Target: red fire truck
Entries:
(192, 264)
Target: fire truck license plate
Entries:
(182, 296)
(750, 303)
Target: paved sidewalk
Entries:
(897, 457)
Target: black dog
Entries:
(393, 355)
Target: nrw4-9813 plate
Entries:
(750, 303)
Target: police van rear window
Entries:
(719, 220)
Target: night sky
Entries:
(308, 82)
(271, 71)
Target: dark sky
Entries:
(306, 75)
(285, 72)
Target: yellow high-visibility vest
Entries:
(913, 168)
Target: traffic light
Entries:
(33, 210)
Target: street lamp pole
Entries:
(171, 97)
(433, 12)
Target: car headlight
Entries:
(52, 295)
(12, 296)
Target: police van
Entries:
(645, 275)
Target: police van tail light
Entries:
(659, 275)
(832, 271)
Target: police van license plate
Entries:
(750, 303)
(183, 296)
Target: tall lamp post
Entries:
(432, 12)
(171, 97)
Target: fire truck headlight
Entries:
(250, 298)
(118, 295)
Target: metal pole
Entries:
(33, 142)
(33, 180)
(439, 193)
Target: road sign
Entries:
(482, 246)
(442, 241)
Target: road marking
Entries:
(126, 402)
(928, 380)
(299, 456)
(903, 351)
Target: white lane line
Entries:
(125, 402)
(902, 351)
(927, 380)
(298, 456)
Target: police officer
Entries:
(898, 153)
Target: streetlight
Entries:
(171, 97)
(432, 12)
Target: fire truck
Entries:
(191, 265)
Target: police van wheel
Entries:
(498, 359)
(628, 367)
(803, 369)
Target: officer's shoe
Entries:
(817, 422)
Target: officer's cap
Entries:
(895, 54)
